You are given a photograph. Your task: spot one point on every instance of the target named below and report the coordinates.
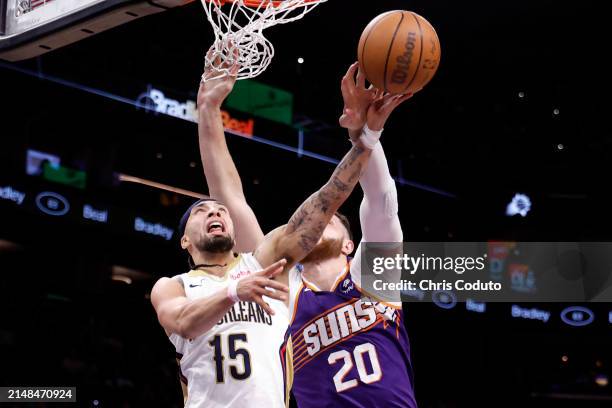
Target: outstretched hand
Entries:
(382, 107)
(257, 285)
(356, 97)
(216, 86)
(365, 105)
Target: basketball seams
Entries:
(363, 50)
(399, 24)
(388, 63)
(418, 65)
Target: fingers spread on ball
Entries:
(360, 79)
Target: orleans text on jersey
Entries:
(236, 363)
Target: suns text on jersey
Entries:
(343, 322)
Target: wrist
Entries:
(354, 135)
(232, 291)
(208, 109)
(376, 127)
(369, 138)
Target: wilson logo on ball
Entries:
(400, 74)
(399, 52)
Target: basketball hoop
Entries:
(238, 26)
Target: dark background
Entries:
(468, 134)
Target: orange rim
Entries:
(256, 3)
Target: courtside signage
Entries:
(8, 193)
(474, 306)
(52, 203)
(154, 100)
(577, 316)
(94, 214)
(530, 313)
(153, 228)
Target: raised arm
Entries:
(220, 171)
(299, 236)
(296, 239)
(378, 211)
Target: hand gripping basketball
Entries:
(382, 107)
(365, 105)
(357, 98)
(259, 284)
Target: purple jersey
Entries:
(347, 351)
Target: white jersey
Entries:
(237, 363)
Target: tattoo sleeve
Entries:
(307, 224)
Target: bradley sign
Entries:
(154, 100)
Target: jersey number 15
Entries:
(238, 373)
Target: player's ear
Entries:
(347, 247)
(185, 242)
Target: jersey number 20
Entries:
(234, 353)
(357, 357)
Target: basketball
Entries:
(399, 52)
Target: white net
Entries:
(239, 32)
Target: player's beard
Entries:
(324, 250)
(216, 244)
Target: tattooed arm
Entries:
(299, 236)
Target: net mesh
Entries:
(239, 32)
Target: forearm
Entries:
(307, 224)
(305, 227)
(376, 179)
(200, 315)
(221, 174)
(379, 208)
(223, 180)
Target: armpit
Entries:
(179, 279)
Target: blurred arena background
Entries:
(99, 137)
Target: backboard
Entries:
(32, 27)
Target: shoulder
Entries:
(171, 280)
(166, 288)
(165, 282)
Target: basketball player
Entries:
(346, 352)
(227, 317)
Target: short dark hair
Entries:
(183, 224)
(346, 223)
(185, 217)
